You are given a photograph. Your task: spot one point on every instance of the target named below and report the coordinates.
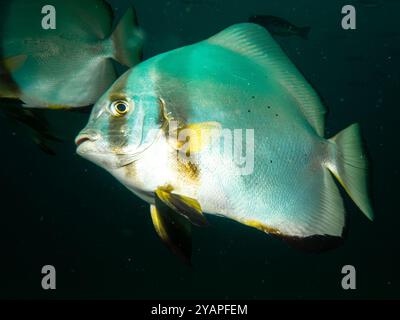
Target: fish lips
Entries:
(86, 143)
(88, 147)
(85, 147)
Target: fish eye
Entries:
(119, 108)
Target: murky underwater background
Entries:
(67, 212)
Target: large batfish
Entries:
(166, 130)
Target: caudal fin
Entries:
(303, 32)
(350, 167)
(127, 40)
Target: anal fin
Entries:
(310, 244)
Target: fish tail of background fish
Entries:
(127, 40)
(303, 32)
(350, 166)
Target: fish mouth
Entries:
(80, 140)
(85, 142)
(86, 135)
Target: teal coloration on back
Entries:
(70, 66)
(237, 79)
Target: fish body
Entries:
(279, 26)
(71, 65)
(237, 79)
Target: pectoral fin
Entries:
(173, 229)
(185, 206)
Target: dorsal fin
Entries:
(253, 41)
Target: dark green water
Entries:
(65, 211)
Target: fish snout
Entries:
(86, 135)
(91, 146)
(87, 142)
